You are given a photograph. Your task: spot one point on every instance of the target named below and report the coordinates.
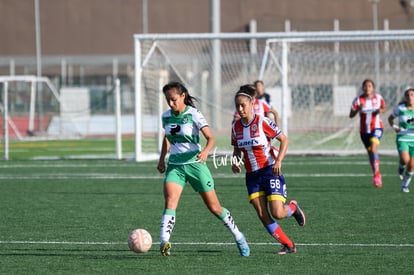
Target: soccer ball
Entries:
(139, 240)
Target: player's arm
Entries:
(165, 148)
(284, 141)
(382, 108)
(353, 112)
(355, 108)
(208, 134)
(391, 122)
(276, 116)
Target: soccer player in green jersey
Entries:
(182, 124)
(405, 136)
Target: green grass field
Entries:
(74, 216)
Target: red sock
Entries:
(375, 164)
(292, 207)
(282, 237)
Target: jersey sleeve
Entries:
(199, 119)
(163, 118)
(270, 128)
(355, 103)
(233, 134)
(382, 102)
(396, 111)
(266, 106)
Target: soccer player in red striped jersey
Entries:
(370, 105)
(266, 187)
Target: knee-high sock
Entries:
(407, 178)
(375, 163)
(167, 225)
(276, 231)
(230, 224)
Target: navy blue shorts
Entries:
(264, 183)
(375, 136)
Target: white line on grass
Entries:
(56, 176)
(48, 165)
(211, 243)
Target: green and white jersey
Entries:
(405, 122)
(183, 133)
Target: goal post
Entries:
(34, 110)
(311, 76)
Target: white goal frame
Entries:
(285, 38)
(34, 81)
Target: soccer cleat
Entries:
(243, 247)
(401, 172)
(299, 215)
(377, 180)
(405, 189)
(287, 250)
(165, 248)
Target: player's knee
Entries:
(265, 217)
(279, 213)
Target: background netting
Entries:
(322, 79)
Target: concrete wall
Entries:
(106, 27)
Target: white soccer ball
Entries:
(139, 240)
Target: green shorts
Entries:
(406, 146)
(197, 174)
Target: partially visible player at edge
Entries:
(405, 137)
(251, 137)
(370, 105)
(182, 124)
(261, 94)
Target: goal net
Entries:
(311, 77)
(35, 114)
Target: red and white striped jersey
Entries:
(369, 116)
(254, 141)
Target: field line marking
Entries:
(60, 176)
(214, 243)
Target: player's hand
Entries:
(396, 128)
(277, 168)
(376, 111)
(202, 156)
(236, 168)
(161, 166)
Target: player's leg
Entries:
(262, 187)
(275, 189)
(401, 168)
(375, 162)
(173, 187)
(260, 204)
(279, 211)
(201, 180)
(404, 158)
(375, 159)
(172, 193)
(407, 157)
(212, 202)
(371, 143)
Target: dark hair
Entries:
(247, 90)
(404, 99)
(366, 81)
(258, 81)
(181, 89)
